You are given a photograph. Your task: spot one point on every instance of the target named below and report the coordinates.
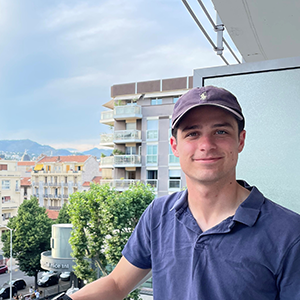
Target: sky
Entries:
(59, 59)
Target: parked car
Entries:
(3, 269)
(20, 283)
(65, 276)
(47, 273)
(48, 280)
(5, 291)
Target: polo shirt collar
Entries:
(247, 213)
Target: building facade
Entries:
(54, 178)
(139, 117)
(10, 187)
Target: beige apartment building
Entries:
(54, 178)
(10, 187)
(139, 118)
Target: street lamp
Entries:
(10, 274)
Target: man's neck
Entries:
(211, 204)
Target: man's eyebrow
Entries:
(191, 127)
(225, 124)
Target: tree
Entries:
(31, 235)
(63, 216)
(103, 219)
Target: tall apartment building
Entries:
(54, 178)
(10, 186)
(139, 117)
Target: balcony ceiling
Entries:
(262, 29)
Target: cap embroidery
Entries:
(203, 96)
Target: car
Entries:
(48, 280)
(20, 284)
(5, 292)
(3, 269)
(47, 273)
(65, 276)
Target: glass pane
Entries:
(270, 159)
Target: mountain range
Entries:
(34, 149)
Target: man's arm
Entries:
(116, 286)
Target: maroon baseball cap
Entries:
(207, 95)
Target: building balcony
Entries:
(174, 185)
(107, 162)
(119, 184)
(128, 112)
(122, 161)
(173, 160)
(127, 136)
(153, 183)
(107, 139)
(65, 196)
(107, 117)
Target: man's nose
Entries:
(206, 143)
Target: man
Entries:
(218, 240)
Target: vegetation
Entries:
(63, 216)
(103, 219)
(31, 236)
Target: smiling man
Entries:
(220, 239)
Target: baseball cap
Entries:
(207, 95)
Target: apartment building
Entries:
(54, 178)
(10, 187)
(139, 118)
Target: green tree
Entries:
(63, 216)
(31, 235)
(103, 219)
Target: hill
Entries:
(34, 149)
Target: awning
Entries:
(38, 167)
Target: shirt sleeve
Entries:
(138, 248)
(288, 279)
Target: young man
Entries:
(218, 240)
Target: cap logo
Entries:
(203, 96)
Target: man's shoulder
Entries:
(167, 202)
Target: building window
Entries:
(174, 179)
(156, 101)
(3, 167)
(46, 179)
(130, 126)
(6, 216)
(17, 185)
(152, 178)
(5, 184)
(130, 150)
(152, 129)
(6, 199)
(151, 154)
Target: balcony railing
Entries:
(153, 183)
(107, 139)
(119, 184)
(127, 160)
(128, 112)
(174, 184)
(65, 196)
(107, 162)
(152, 135)
(173, 160)
(107, 116)
(151, 159)
(122, 136)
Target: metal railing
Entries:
(124, 160)
(124, 110)
(174, 184)
(106, 138)
(125, 135)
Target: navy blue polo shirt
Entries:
(253, 255)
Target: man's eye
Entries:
(192, 134)
(221, 132)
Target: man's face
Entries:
(208, 144)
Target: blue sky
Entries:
(58, 60)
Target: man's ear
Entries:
(173, 143)
(242, 140)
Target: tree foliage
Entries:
(103, 220)
(63, 216)
(31, 235)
